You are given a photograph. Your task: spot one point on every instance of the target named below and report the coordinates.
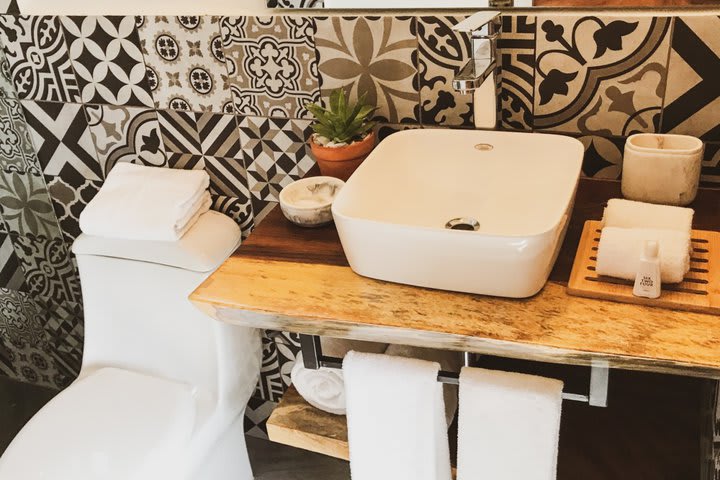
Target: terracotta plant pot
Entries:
(341, 162)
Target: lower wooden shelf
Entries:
(296, 423)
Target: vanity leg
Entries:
(599, 380)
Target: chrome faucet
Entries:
(483, 28)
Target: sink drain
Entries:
(463, 223)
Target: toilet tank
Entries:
(138, 316)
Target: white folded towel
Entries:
(395, 417)
(509, 426)
(147, 203)
(620, 250)
(325, 388)
(628, 214)
(449, 362)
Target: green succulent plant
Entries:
(342, 121)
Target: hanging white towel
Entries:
(396, 418)
(449, 361)
(509, 426)
(147, 203)
(325, 388)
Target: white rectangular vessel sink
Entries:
(462, 210)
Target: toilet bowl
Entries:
(163, 388)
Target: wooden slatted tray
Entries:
(698, 292)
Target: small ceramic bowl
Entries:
(307, 202)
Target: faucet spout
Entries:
(473, 74)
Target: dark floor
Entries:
(650, 431)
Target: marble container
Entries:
(662, 168)
(308, 202)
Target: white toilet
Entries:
(163, 388)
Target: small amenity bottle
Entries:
(647, 281)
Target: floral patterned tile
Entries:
(442, 52)
(33, 363)
(15, 324)
(272, 64)
(516, 49)
(37, 58)
(692, 100)
(126, 134)
(6, 84)
(600, 75)
(108, 61)
(603, 157)
(376, 56)
(26, 206)
(16, 147)
(70, 194)
(185, 63)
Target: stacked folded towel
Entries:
(628, 225)
(147, 203)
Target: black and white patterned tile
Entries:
(270, 386)
(186, 63)
(711, 165)
(239, 209)
(209, 134)
(288, 348)
(603, 157)
(692, 98)
(62, 140)
(442, 52)
(70, 193)
(7, 368)
(33, 363)
(26, 206)
(295, 3)
(11, 274)
(276, 154)
(6, 85)
(516, 49)
(372, 55)
(49, 271)
(109, 64)
(16, 147)
(126, 134)
(37, 58)
(272, 64)
(257, 413)
(600, 75)
(16, 323)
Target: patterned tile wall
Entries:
(227, 95)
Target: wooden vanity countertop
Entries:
(298, 280)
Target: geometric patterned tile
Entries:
(7, 369)
(257, 413)
(692, 100)
(261, 209)
(179, 132)
(711, 165)
(600, 76)
(288, 348)
(126, 134)
(603, 157)
(239, 209)
(11, 274)
(210, 134)
(26, 206)
(442, 53)
(228, 177)
(295, 3)
(62, 139)
(185, 63)
(516, 49)
(16, 148)
(106, 56)
(70, 195)
(270, 385)
(37, 58)
(49, 272)
(372, 55)
(6, 85)
(276, 154)
(272, 64)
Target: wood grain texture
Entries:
(297, 280)
(700, 292)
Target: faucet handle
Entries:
(474, 24)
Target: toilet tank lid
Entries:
(202, 249)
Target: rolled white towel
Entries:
(449, 362)
(147, 203)
(325, 388)
(628, 214)
(620, 250)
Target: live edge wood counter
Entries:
(298, 280)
